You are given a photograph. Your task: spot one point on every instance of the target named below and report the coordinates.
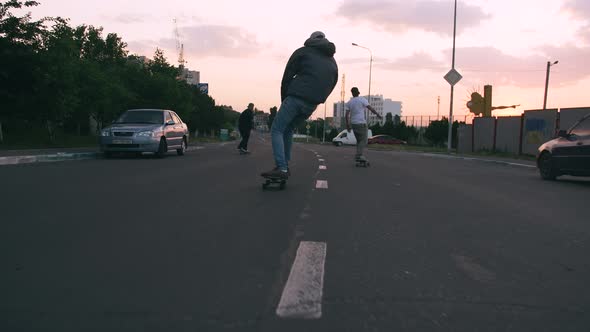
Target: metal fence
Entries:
(517, 134)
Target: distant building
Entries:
(380, 104)
(191, 77)
(261, 121)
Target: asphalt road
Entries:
(413, 243)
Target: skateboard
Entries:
(362, 163)
(242, 152)
(269, 180)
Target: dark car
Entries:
(568, 154)
(145, 130)
(385, 139)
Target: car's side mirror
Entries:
(562, 133)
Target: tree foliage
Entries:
(57, 78)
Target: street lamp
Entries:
(370, 68)
(549, 64)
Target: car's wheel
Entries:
(546, 168)
(182, 149)
(338, 143)
(162, 148)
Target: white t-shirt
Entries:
(357, 106)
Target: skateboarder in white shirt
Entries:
(357, 121)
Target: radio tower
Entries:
(180, 50)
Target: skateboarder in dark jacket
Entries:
(245, 124)
(310, 76)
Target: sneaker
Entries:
(276, 173)
(361, 158)
(242, 150)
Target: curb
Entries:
(61, 156)
(17, 160)
(493, 161)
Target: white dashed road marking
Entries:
(302, 295)
(321, 184)
(323, 167)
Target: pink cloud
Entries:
(399, 16)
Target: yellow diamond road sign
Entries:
(453, 77)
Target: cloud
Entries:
(401, 15)
(128, 18)
(579, 9)
(417, 61)
(219, 40)
(206, 41)
(491, 65)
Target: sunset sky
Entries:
(241, 47)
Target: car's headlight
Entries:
(145, 134)
(105, 133)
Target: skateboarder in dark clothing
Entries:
(310, 76)
(245, 124)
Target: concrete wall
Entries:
(538, 128)
(508, 134)
(483, 133)
(464, 136)
(569, 116)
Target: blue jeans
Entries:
(293, 111)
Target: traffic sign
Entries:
(453, 77)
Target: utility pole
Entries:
(438, 109)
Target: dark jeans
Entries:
(245, 137)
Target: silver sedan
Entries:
(145, 130)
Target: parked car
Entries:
(145, 130)
(346, 138)
(568, 154)
(385, 139)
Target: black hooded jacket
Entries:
(311, 73)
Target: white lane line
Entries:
(321, 184)
(302, 295)
(321, 159)
(323, 167)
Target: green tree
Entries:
(437, 132)
(388, 127)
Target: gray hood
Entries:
(321, 44)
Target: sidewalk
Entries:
(15, 157)
(34, 152)
(491, 159)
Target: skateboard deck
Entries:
(362, 163)
(270, 180)
(242, 152)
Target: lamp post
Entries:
(549, 64)
(370, 69)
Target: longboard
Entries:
(362, 163)
(270, 180)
